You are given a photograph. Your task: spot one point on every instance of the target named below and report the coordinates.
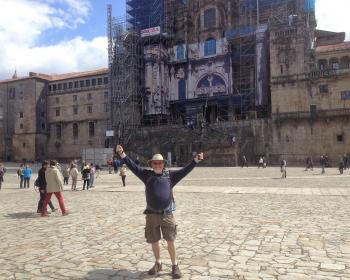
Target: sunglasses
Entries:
(157, 163)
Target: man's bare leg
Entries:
(156, 251)
(172, 251)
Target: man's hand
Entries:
(119, 149)
(199, 157)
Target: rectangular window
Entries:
(70, 85)
(99, 81)
(106, 107)
(210, 18)
(81, 83)
(59, 86)
(76, 84)
(323, 88)
(340, 138)
(43, 126)
(42, 114)
(12, 94)
(65, 86)
(105, 80)
(58, 112)
(91, 129)
(75, 110)
(57, 100)
(21, 115)
(87, 83)
(89, 96)
(89, 109)
(50, 88)
(1, 112)
(75, 97)
(75, 130)
(93, 82)
(345, 95)
(21, 126)
(54, 87)
(58, 131)
(105, 94)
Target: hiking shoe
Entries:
(155, 269)
(175, 272)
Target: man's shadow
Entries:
(22, 215)
(123, 274)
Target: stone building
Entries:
(78, 108)
(23, 120)
(223, 76)
(311, 107)
(53, 116)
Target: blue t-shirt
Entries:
(27, 173)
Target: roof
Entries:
(73, 75)
(59, 77)
(335, 47)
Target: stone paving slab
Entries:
(270, 231)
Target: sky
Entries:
(61, 36)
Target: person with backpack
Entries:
(20, 176)
(2, 174)
(27, 174)
(41, 184)
(85, 173)
(159, 184)
(54, 185)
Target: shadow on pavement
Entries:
(22, 215)
(122, 274)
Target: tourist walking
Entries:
(20, 175)
(86, 177)
(122, 173)
(244, 161)
(346, 161)
(284, 169)
(27, 174)
(323, 164)
(54, 186)
(74, 174)
(41, 183)
(2, 174)
(159, 184)
(341, 166)
(309, 164)
(65, 173)
(261, 162)
(98, 170)
(92, 175)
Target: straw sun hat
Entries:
(157, 157)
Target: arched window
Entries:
(182, 89)
(210, 18)
(210, 47)
(180, 52)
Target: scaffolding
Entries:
(126, 50)
(125, 66)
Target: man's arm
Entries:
(140, 172)
(178, 175)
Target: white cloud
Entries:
(333, 15)
(22, 22)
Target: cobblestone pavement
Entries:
(233, 223)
